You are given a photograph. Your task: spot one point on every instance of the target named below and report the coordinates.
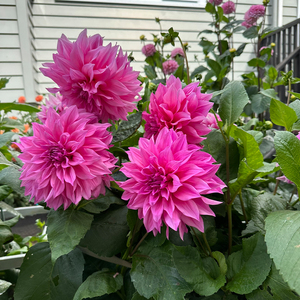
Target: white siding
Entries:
(10, 55)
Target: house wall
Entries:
(121, 24)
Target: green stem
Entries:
(138, 244)
(289, 94)
(295, 202)
(120, 295)
(186, 61)
(207, 244)
(229, 213)
(199, 241)
(276, 187)
(293, 192)
(243, 207)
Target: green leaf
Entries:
(214, 144)
(248, 268)
(232, 102)
(102, 202)
(3, 82)
(256, 62)
(259, 103)
(4, 285)
(65, 229)
(296, 107)
(150, 72)
(137, 296)
(271, 93)
(5, 138)
(282, 238)
(11, 222)
(251, 33)
(198, 70)
(99, 284)
(16, 106)
(297, 95)
(250, 147)
(210, 8)
(274, 288)
(5, 190)
(282, 115)
(203, 274)
(39, 279)
(288, 156)
(10, 177)
(272, 73)
(107, 235)
(6, 235)
(128, 128)
(154, 274)
(215, 66)
(240, 49)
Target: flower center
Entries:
(57, 154)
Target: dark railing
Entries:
(286, 55)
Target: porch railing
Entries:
(286, 55)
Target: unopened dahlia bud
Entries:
(142, 37)
(273, 44)
(232, 50)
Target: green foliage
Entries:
(282, 239)
(99, 284)
(248, 268)
(60, 229)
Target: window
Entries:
(176, 3)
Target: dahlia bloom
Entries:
(247, 25)
(183, 110)
(177, 51)
(167, 180)
(66, 158)
(264, 47)
(54, 102)
(228, 7)
(215, 2)
(94, 77)
(257, 11)
(249, 19)
(169, 66)
(148, 50)
(210, 121)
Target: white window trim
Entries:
(178, 3)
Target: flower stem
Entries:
(243, 207)
(138, 244)
(207, 244)
(199, 241)
(289, 94)
(229, 215)
(186, 61)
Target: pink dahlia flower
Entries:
(249, 19)
(215, 2)
(148, 50)
(183, 110)
(169, 66)
(66, 158)
(257, 11)
(264, 47)
(167, 180)
(177, 51)
(247, 25)
(210, 121)
(228, 7)
(54, 102)
(94, 77)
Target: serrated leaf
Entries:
(128, 128)
(107, 235)
(256, 62)
(288, 156)
(248, 268)
(271, 93)
(232, 102)
(99, 284)
(39, 279)
(154, 274)
(102, 202)
(204, 275)
(251, 33)
(259, 103)
(282, 239)
(3, 82)
(150, 72)
(65, 229)
(282, 115)
(198, 70)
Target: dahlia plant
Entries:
(168, 195)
